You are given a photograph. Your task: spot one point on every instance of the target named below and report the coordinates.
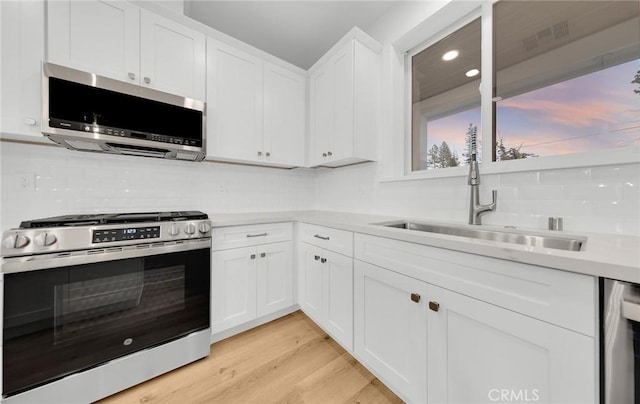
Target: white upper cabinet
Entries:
(21, 55)
(117, 39)
(344, 99)
(234, 103)
(101, 37)
(255, 109)
(284, 112)
(172, 57)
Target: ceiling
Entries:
(299, 32)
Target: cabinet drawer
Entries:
(558, 297)
(242, 236)
(339, 241)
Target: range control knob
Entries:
(9, 241)
(45, 239)
(15, 241)
(190, 229)
(205, 227)
(174, 230)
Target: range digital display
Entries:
(125, 233)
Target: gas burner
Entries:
(112, 218)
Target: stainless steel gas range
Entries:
(94, 304)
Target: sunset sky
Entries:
(592, 112)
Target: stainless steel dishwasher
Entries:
(620, 342)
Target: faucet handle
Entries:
(494, 201)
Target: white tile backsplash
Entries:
(76, 182)
(603, 199)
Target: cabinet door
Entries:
(481, 353)
(343, 112)
(234, 103)
(338, 297)
(274, 277)
(390, 329)
(233, 287)
(321, 122)
(172, 57)
(284, 116)
(22, 51)
(310, 282)
(97, 36)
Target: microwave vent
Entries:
(82, 145)
(186, 156)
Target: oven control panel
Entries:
(125, 233)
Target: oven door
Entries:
(64, 313)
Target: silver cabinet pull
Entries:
(253, 256)
(435, 306)
(321, 237)
(329, 153)
(257, 235)
(316, 257)
(262, 255)
(132, 76)
(323, 260)
(147, 80)
(415, 297)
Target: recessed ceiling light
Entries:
(472, 73)
(452, 54)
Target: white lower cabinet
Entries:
(326, 291)
(391, 329)
(274, 277)
(250, 282)
(434, 344)
(481, 353)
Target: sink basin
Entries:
(567, 243)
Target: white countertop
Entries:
(606, 255)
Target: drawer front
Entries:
(558, 297)
(339, 241)
(243, 236)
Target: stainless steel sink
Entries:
(568, 243)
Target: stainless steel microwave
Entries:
(84, 111)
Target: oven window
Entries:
(62, 320)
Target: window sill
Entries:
(627, 155)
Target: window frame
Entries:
(453, 16)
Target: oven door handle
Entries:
(57, 260)
(631, 310)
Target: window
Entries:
(565, 79)
(446, 98)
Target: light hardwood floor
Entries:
(289, 360)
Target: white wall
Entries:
(70, 182)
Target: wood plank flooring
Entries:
(289, 360)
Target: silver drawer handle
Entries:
(257, 235)
(321, 237)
